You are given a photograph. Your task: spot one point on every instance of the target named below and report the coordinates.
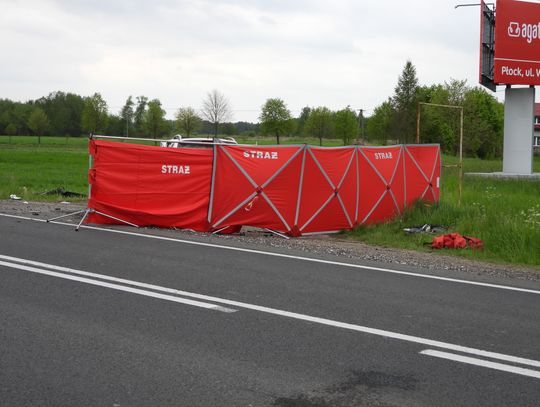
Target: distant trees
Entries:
(154, 118)
(38, 122)
(216, 109)
(379, 125)
(275, 118)
(138, 117)
(320, 123)
(394, 120)
(95, 114)
(127, 113)
(64, 111)
(188, 121)
(404, 102)
(346, 125)
(301, 120)
(483, 124)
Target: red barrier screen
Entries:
(328, 199)
(422, 173)
(382, 187)
(296, 190)
(166, 187)
(255, 186)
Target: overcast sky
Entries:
(307, 52)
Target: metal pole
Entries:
(418, 123)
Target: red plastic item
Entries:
(456, 241)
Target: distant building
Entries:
(536, 137)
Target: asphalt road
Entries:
(173, 323)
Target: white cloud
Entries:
(307, 52)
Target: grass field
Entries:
(504, 213)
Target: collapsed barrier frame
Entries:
(305, 151)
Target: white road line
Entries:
(119, 287)
(288, 256)
(293, 315)
(482, 363)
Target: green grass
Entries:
(503, 213)
(29, 171)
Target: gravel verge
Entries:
(332, 247)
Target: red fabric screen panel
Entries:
(423, 171)
(328, 200)
(166, 187)
(256, 186)
(382, 187)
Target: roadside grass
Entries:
(505, 214)
(27, 172)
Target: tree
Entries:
(229, 129)
(346, 125)
(38, 122)
(94, 115)
(301, 120)
(115, 126)
(11, 130)
(18, 116)
(483, 124)
(320, 123)
(127, 114)
(456, 91)
(64, 111)
(216, 109)
(275, 118)
(154, 118)
(380, 123)
(140, 110)
(404, 103)
(188, 121)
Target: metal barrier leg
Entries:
(65, 216)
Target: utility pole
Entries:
(361, 123)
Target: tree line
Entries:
(396, 118)
(393, 121)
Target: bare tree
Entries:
(216, 109)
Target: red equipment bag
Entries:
(456, 241)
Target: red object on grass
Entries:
(456, 241)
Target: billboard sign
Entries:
(487, 45)
(517, 43)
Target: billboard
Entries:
(487, 45)
(517, 43)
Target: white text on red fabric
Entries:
(383, 156)
(175, 169)
(262, 155)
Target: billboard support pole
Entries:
(518, 130)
